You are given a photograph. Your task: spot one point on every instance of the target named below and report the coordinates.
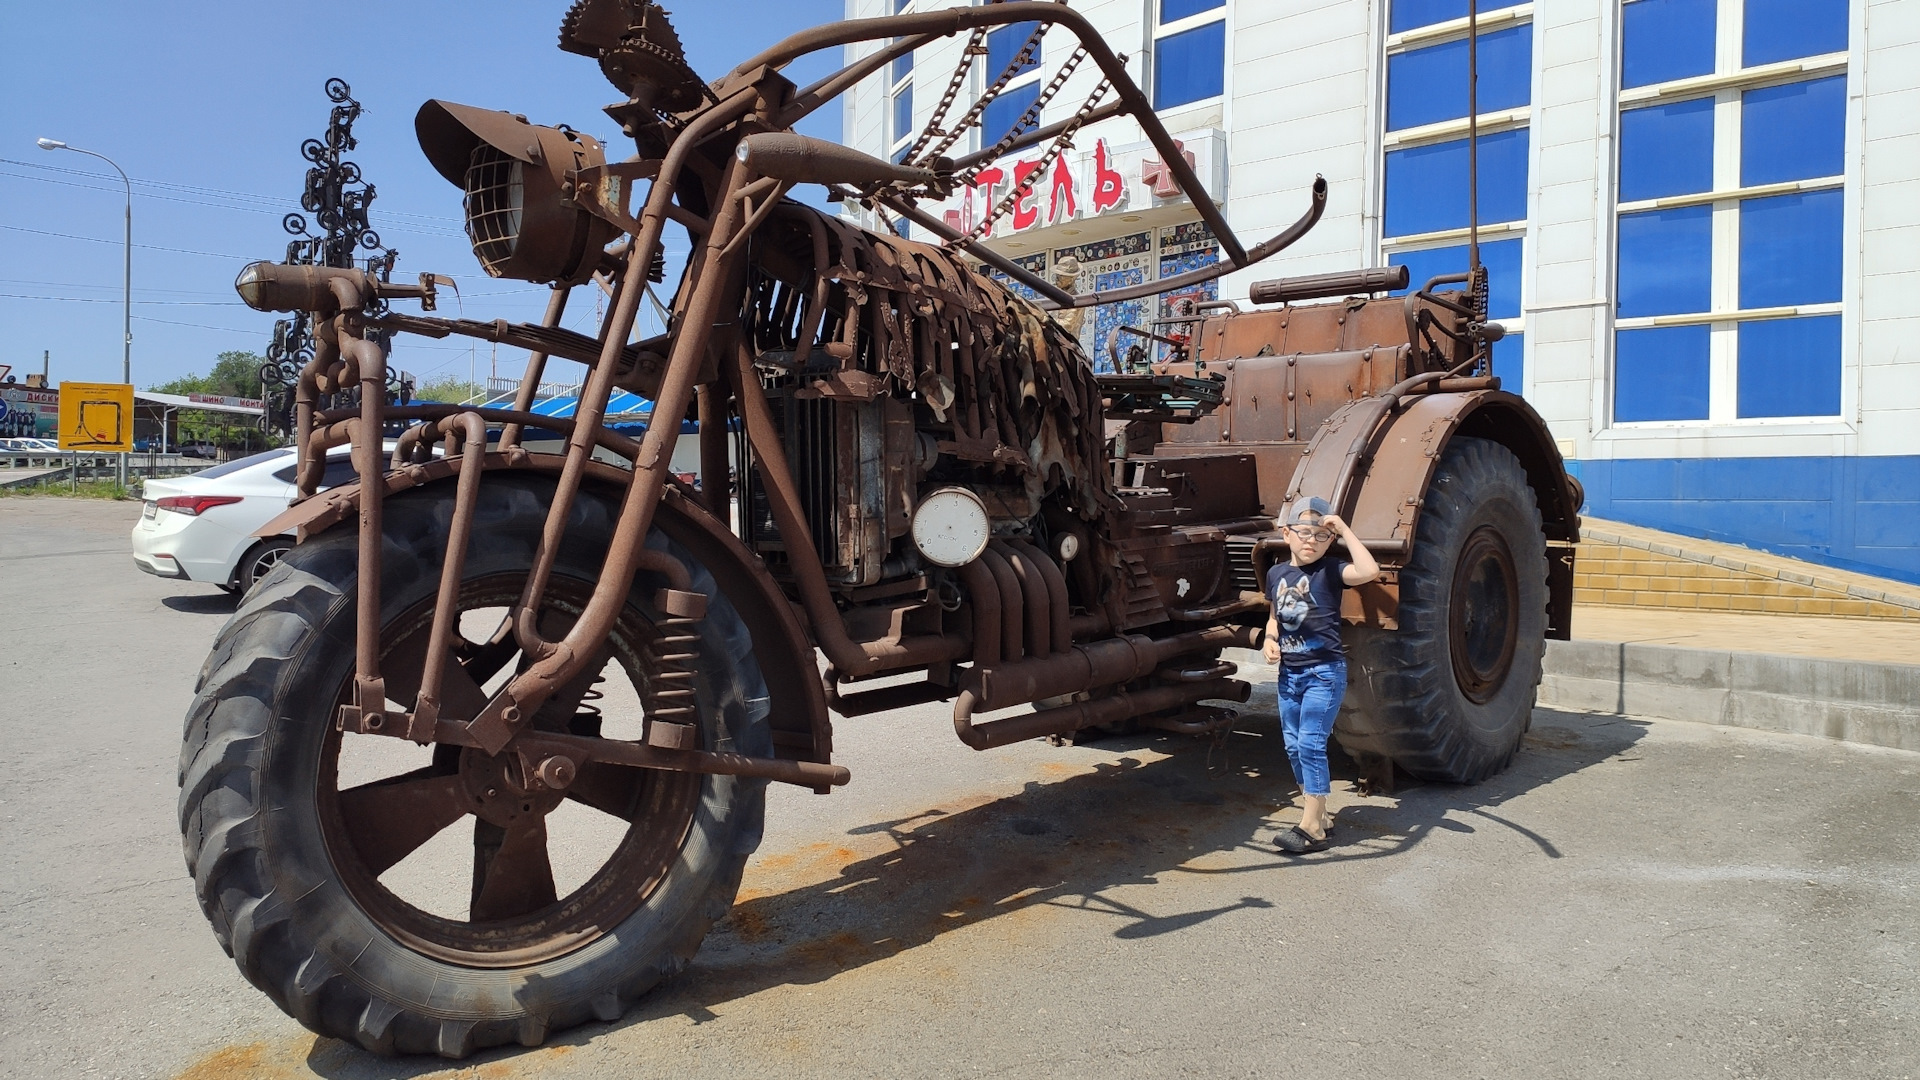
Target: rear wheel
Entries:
(1449, 694)
(431, 899)
(259, 559)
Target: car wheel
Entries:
(263, 557)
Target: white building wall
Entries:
(1888, 170)
(1305, 94)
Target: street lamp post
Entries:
(126, 339)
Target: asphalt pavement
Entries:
(1633, 898)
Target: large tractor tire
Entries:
(1449, 694)
(336, 868)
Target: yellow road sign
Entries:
(96, 416)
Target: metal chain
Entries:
(1060, 146)
(976, 46)
(972, 116)
(1031, 118)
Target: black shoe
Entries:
(1298, 841)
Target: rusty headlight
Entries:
(520, 214)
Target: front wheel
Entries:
(1449, 694)
(431, 899)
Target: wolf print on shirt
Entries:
(1293, 604)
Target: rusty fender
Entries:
(802, 729)
(1375, 458)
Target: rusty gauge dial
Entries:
(950, 526)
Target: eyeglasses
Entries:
(1308, 533)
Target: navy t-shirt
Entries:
(1306, 603)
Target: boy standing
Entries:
(1303, 636)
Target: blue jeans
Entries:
(1309, 703)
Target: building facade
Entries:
(1701, 217)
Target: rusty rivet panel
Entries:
(1380, 322)
(1256, 410)
(1310, 328)
(1245, 334)
(1327, 381)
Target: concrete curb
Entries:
(1852, 701)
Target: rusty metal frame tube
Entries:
(1105, 662)
(371, 359)
(1061, 615)
(557, 662)
(885, 699)
(1012, 633)
(641, 756)
(1081, 714)
(536, 367)
(1036, 603)
(459, 533)
(983, 593)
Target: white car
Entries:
(200, 527)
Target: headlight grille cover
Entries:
(495, 206)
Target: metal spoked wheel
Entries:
(433, 899)
(538, 871)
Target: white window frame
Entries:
(1726, 85)
(1490, 123)
(1181, 26)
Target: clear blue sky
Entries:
(205, 105)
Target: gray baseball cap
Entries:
(1296, 515)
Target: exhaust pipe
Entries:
(1319, 286)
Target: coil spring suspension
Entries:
(670, 697)
(586, 715)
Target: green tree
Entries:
(451, 390)
(235, 373)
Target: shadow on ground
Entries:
(1066, 844)
(213, 603)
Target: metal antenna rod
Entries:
(1473, 135)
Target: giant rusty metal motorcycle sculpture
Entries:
(931, 481)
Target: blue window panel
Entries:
(1426, 86)
(1790, 249)
(1501, 258)
(1510, 362)
(1793, 132)
(1666, 150)
(1408, 14)
(1004, 44)
(901, 67)
(1666, 262)
(900, 5)
(903, 113)
(1006, 110)
(1180, 9)
(1660, 374)
(1790, 29)
(1190, 66)
(1790, 367)
(1665, 39)
(1427, 185)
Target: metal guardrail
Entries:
(48, 468)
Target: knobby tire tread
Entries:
(257, 902)
(1403, 700)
